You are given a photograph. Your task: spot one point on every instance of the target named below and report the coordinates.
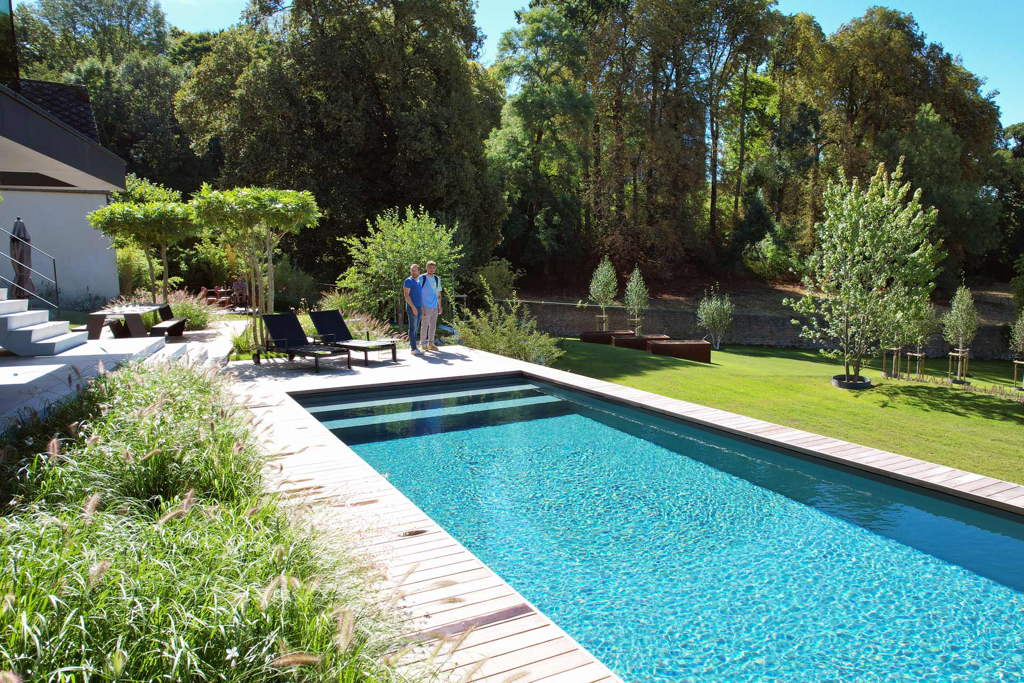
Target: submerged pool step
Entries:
(437, 396)
(471, 417)
(437, 413)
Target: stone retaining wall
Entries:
(749, 328)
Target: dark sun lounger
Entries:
(334, 332)
(287, 336)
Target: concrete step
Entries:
(36, 333)
(55, 345)
(13, 306)
(14, 321)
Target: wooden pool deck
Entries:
(490, 632)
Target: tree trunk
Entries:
(619, 162)
(743, 148)
(163, 259)
(598, 176)
(152, 275)
(713, 217)
(270, 273)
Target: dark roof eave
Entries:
(101, 162)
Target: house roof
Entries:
(69, 104)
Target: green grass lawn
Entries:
(976, 432)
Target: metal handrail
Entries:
(56, 287)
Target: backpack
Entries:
(437, 281)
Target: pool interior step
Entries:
(26, 332)
(431, 411)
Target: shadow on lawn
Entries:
(942, 399)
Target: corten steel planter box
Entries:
(687, 349)
(597, 337)
(639, 343)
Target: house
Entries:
(53, 172)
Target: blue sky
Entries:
(986, 33)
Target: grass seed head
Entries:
(346, 621)
(97, 571)
(90, 505)
(295, 659)
(53, 449)
(9, 677)
(268, 592)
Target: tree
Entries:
(875, 258)
(637, 298)
(369, 106)
(151, 215)
(253, 221)
(714, 314)
(960, 323)
(604, 287)
(54, 35)
(381, 259)
(1017, 336)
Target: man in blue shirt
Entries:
(413, 305)
(431, 308)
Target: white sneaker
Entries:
(417, 352)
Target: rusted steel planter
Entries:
(687, 349)
(638, 343)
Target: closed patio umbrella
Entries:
(21, 252)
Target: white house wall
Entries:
(56, 221)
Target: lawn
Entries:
(950, 426)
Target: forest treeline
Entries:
(685, 137)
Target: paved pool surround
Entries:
(449, 590)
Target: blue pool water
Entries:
(678, 554)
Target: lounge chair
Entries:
(332, 330)
(287, 336)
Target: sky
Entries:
(984, 32)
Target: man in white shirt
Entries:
(431, 308)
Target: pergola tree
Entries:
(604, 287)
(253, 220)
(637, 297)
(874, 259)
(153, 216)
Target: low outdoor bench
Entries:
(169, 325)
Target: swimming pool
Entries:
(675, 553)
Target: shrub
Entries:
(772, 259)
(960, 323)
(206, 264)
(498, 277)
(1017, 336)
(132, 269)
(381, 259)
(243, 343)
(506, 328)
(714, 314)
(1017, 285)
(140, 544)
(335, 300)
(295, 287)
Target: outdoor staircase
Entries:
(32, 333)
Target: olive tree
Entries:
(714, 314)
(156, 224)
(637, 298)
(874, 257)
(604, 287)
(253, 220)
